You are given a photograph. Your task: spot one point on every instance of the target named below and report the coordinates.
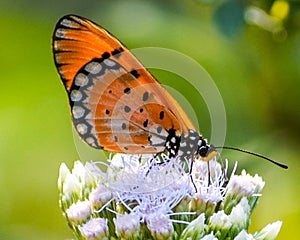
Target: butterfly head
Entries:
(206, 151)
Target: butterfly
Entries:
(116, 104)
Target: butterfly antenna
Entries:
(282, 165)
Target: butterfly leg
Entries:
(191, 176)
(208, 172)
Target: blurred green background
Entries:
(250, 48)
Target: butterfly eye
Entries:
(207, 152)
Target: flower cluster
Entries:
(153, 197)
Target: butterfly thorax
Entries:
(189, 145)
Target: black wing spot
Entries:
(123, 126)
(135, 73)
(127, 90)
(127, 109)
(107, 111)
(141, 110)
(161, 115)
(110, 91)
(115, 138)
(117, 52)
(145, 124)
(105, 55)
(126, 148)
(145, 96)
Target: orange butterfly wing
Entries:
(116, 103)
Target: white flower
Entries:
(220, 220)
(269, 232)
(157, 188)
(209, 183)
(240, 186)
(79, 211)
(243, 235)
(79, 170)
(195, 229)
(160, 226)
(210, 236)
(245, 185)
(136, 173)
(63, 173)
(127, 226)
(71, 185)
(94, 229)
(239, 215)
(100, 196)
(152, 191)
(84, 176)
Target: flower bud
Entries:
(84, 176)
(220, 224)
(269, 232)
(63, 173)
(195, 229)
(243, 235)
(219, 220)
(240, 186)
(127, 226)
(100, 196)
(160, 227)
(94, 229)
(240, 214)
(79, 211)
(210, 236)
